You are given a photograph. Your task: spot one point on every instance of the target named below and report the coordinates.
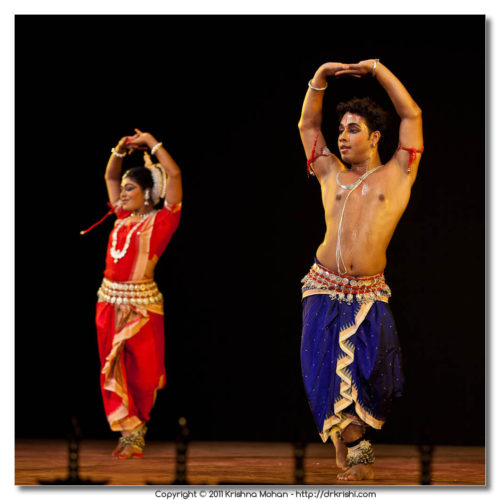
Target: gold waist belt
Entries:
(129, 292)
(345, 288)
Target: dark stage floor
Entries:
(213, 463)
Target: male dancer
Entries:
(351, 361)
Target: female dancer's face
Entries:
(131, 195)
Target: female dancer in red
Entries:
(129, 317)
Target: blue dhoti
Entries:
(350, 353)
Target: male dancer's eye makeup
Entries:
(351, 130)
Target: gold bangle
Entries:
(374, 66)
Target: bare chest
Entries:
(367, 199)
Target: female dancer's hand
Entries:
(358, 70)
(124, 144)
(141, 140)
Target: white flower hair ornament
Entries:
(159, 179)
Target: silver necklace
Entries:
(354, 185)
(119, 254)
(143, 216)
(350, 188)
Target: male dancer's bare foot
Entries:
(340, 452)
(351, 433)
(357, 472)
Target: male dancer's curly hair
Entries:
(375, 116)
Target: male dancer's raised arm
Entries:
(311, 118)
(410, 130)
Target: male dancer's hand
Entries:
(359, 69)
(326, 70)
(331, 69)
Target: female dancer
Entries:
(129, 316)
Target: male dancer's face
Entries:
(354, 138)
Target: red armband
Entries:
(314, 156)
(413, 155)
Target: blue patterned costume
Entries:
(350, 353)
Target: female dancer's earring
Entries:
(146, 198)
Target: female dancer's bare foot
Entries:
(129, 451)
(117, 450)
(131, 444)
(357, 472)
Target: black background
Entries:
(224, 94)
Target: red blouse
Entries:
(147, 243)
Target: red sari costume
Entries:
(129, 318)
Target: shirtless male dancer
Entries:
(350, 354)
